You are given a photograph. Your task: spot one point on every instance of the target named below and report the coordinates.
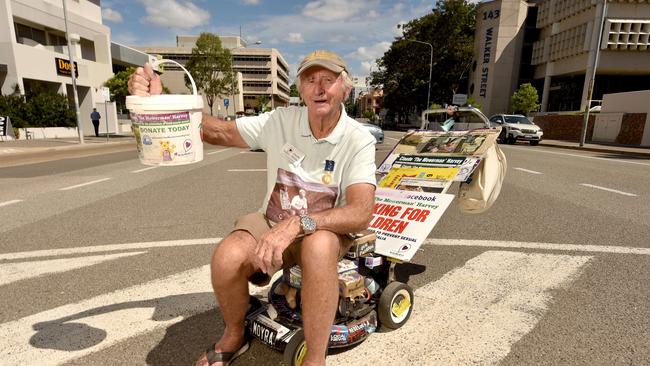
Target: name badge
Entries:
(294, 155)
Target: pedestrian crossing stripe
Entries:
(473, 314)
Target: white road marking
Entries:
(217, 151)
(528, 171)
(144, 169)
(608, 189)
(12, 272)
(84, 184)
(581, 156)
(539, 246)
(250, 152)
(9, 150)
(107, 248)
(213, 241)
(72, 331)
(246, 170)
(391, 138)
(473, 314)
(7, 203)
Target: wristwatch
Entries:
(308, 224)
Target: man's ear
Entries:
(348, 89)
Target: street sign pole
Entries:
(106, 93)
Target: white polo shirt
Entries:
(299, 173)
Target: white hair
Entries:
(347, 82)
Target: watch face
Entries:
(308, 224)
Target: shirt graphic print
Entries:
(292, 196)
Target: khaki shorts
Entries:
(257, 224)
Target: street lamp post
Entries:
(430, 67)
(590, 90)
(74, 77)
(232, 64)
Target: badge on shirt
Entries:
(294, 155)
(327, 174)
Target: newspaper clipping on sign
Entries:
(403, 219)
(439, 149)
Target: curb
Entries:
(601, 150)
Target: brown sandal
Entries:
(226, 357)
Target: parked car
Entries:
(516, 127)
(376, 131)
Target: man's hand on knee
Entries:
(273, 243)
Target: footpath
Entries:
(21, 152)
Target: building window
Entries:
(25, 32)
(87, 49)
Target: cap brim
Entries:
(323, 63)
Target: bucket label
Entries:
(164, 138)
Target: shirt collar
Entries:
(337, 133)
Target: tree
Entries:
(118, 86)
(524, 100)
(211, 69)
(472, 101)
(293, 91)
(15, 107)
(404, 68)
(351, 106)
(46, 108)
(262, 103)
(369, 115)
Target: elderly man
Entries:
(318, 149)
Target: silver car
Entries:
(376, 131)
(517, 127)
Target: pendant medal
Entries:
(327, 175)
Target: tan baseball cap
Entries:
(324, 58)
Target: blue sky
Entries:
(359, 30)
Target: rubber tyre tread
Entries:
(385, 304)
(292, 347)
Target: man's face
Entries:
(322, 90)
(450, 110)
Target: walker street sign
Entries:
(63, 67)
(5, 127)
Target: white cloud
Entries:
(369, 55)
(111, 15)
(343, 35)
(251, 2)
(373, 52)
(334, 10)
(178, 14)
(295, 38)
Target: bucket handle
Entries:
(165, 61)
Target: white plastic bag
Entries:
(485, 185)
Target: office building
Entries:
(34, 53)
(553, 44)
(262, 73)
(34, 49)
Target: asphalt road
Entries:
(103, 262)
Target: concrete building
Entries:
(34, 50)
(371, 101)
(553, 45)
(260, 72)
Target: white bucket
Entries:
(167, 127)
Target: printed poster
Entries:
(403, 219)
(403, 178)
(465, 164)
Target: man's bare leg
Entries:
(230, 268)
(319, 258)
